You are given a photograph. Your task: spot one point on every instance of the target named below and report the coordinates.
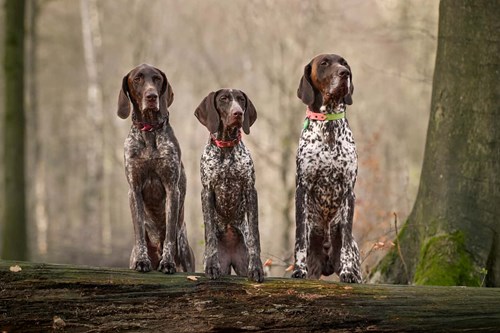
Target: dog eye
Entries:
(223, 98)
(138, 78)
(240, 99)
(324, 63)
(156, 78)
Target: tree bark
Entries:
(41, 297)
(452, 235)
(14, 220)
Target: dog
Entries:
(229, 198)
(155, 174)
(326, 173)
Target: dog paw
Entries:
(349, 277)
(213, 272)
(299, 274)
(255, 271)
(167, 267)
(142, 265)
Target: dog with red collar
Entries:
(229, 197)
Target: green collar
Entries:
(322, 116)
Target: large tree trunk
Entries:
(41, 297)
(452, 235)
(14, 240)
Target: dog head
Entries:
(226, 108)
(327, 80)
(147, 88)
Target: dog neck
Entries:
(227, 138)
(332, 108)
(148, 120)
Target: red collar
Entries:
(148, 127)
(224, 143)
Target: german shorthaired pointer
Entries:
(229, 198)
(326, 173)
(155, 174)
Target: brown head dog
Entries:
(155, 174)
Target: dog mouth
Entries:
(150, 107)
(339, 87)
(236, 121)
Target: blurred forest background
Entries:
(78, 51)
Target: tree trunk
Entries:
(41, 297)
(96, 196)
(14, 244)
(452, 235)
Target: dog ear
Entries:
(250, 115)
(306, 91)
(348, 97)
(166, 94)
(207, 113)
(124, 99)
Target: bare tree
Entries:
(14, 244)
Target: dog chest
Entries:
(229, 175)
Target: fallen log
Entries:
(47, 297)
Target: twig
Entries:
(399, 247)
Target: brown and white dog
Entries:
(155, 174)
(229, 198)
(326, 173)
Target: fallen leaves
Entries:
(192, 278)
(15, 268)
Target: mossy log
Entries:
(47, 297)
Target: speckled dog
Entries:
(229, 198)
(155, 174)
(326, 173)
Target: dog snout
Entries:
(236, 110)
(344, 72)
(151, 96)
(238, 113)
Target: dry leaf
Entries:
(58, 323)
(192, 278)
(268, 262)
(289, 268)
(15, 269)
(347, 288)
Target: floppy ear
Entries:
(207, 113)
(124, 99)
(348, 97)
(250, 115)
(306, 91)
(166, 94)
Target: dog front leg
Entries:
(350, 270)
(139, 259)
(301, 235)
(167, 263)
(251, 237)
(211, 260)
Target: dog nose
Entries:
(238, 113)
(344, 72)
(152, 96)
